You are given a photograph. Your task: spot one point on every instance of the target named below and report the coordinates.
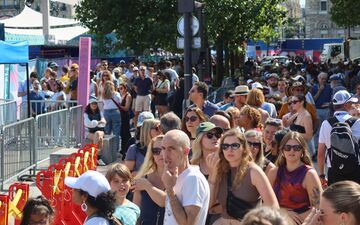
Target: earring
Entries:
(84, 207)
(302, 155)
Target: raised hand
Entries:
(169, 177)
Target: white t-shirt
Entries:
(191, 188)
(97, 221)
(325, 129)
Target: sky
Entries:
(302, 3)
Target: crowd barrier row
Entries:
(7, 112)
(27, 143)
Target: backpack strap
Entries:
(332, 121)
(351, 121)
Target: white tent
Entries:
(30, 22)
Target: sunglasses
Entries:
(156, 151)
(210, 135)
(293, 102)
(191, 118)
(233, 146)
(254, 144)
(296, 148)
(156, 128)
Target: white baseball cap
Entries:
(93, 182)
(342, 97)
(256, 85)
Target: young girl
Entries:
(120, 178)
(37, 211)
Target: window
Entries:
(323, 5)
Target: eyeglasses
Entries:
(156, 151)
(254, 144)
(73, 69)
(293, 102)
(210, 135)
(121, 88)
(191, 118)
(296, 148)
(233, 146)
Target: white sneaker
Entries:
(100, 162)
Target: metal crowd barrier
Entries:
(7, 112)
(27, 143)
(38, 107)
(17, 149)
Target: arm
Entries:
(87, 121)
(262, 184)
(157, 195)
(127, 103)
(269, 167)
(130, 165)
(313, 187)
(308, 127)
(321, 157)
(137, 198)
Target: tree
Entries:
(345, 13)
(267, 35)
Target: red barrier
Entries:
(4, 209)
(18, 196)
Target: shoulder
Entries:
(211, 105)
(97, 221)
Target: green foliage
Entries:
(345, 13)
(140, 24)
(293, 27)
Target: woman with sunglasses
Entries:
(105, 76)
(295, 182)
(161, 90)
(254, 139)
(191, 120)
(136, 153)
(207, 141)
(235, 180)
(148, 187)
(125, 105)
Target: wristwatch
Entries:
(322, 176)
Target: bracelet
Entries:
(322, 176)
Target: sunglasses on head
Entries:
(210, 135)
(296, 148)
(156, 151)
(191, 118)
(293, 102)
(254, 144)
(233, 146)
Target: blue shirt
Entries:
(127, 213)
(134, 154)
(143, 86)
(209, 108)
(38, 107)
(226, 106)
(324, 97)
(270, 108)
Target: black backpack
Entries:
(344, 150)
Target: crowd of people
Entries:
(282, 147)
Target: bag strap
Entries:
(229, 183)
(332, 121)
(351, 121)
(117, 104)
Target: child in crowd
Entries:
(37, 211)
(119, 177)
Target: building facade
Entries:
(318, 22)
(293, 7)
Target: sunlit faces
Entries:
(295, 103)
(77, 198)
(243, 119)
(193, 93)
(255, 146)
(232, 149)
(157, 153)
(292, 150)
(211, 140)
(328, 214)
(155, 130)
(269, 134)
(282, 86)
(120, 185)
(39, 219)
(173, 153)
(192, 121)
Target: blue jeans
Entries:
(113, 124)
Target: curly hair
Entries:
(254, 116)
(246, 158)
(200, 114)
(149, 166)
(293, 135)
(104, 203)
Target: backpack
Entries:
(344, 150)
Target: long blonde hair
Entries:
(224, 165)
(305, 158)
(109, 89)
(259, 159)
(145, 131)
(149, 166)
(197, 149)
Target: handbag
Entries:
(235, 207)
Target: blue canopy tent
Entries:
(16, 52)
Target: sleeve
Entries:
(21, 87)
(87, 122)
(194, 192)
(131, 153)
(324, 133)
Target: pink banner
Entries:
(84, 69)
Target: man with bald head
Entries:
(220, 121)
(187, 190)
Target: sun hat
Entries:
(93, 182)
(290, 88)
(144, 116)
(241, 90)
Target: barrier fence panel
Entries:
(51, 132)
(17, 149)
(7, 112)
(75, 122)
